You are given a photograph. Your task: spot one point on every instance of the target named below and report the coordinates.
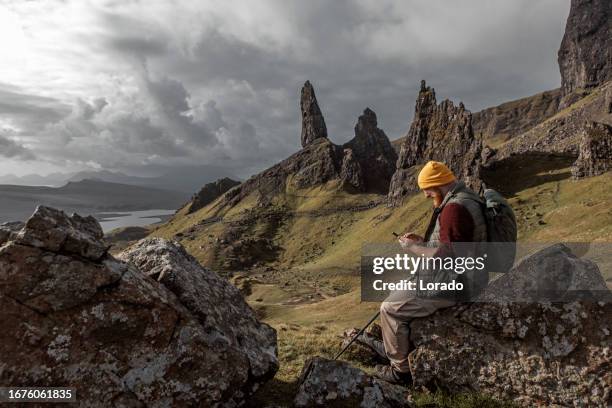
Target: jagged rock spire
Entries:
(438, 132)
(372, 151)
(313, 123)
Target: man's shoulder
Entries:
(455, 210)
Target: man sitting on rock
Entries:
(458, 217)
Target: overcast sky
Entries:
(135, 86)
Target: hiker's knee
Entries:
(385, 308)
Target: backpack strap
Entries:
(436, 213)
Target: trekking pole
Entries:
(357, 335)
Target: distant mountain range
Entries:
(187, 179)
(85, 197)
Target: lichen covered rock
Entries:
(75, 316)
(328, 383)
(515, 343)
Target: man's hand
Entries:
(410, 239)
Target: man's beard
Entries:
(437, 199)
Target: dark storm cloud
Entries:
(29, 111)
(12, 150)
(219, 84)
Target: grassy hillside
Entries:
(308, 290)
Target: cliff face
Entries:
(585, 55)
(369, 158)
(438, 132)
(503, 122)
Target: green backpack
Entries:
(501, 231)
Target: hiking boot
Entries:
(373, 343)
(391, 375)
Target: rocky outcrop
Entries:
(8, 230)
(585, 55)
(364, 164)
(313, 123)
(314, 165)
(328, 383)
(540, 335)
(595, 152)
(217, 304)
(562, 133)
(350, 172)
(374, 154)
(438, 132)
(75, 316)
(210, 192)
(503, 122)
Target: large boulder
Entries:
(329, 383)
(595, 152)
(585, 55)
(75, 316)
(438, 132)
(539, 335)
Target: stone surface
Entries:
(9, 230)
(350, 172)
(74, 318)
(210, 192)
(438, 132)
(218, 305)
(585, 55)
(313, 123)
(373, 151)
(519, 346)
(595, 152)
(562, 133)
(500, 123)
(328, 383)
(52, 230)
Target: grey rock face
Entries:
(217, 304)
(595, 152)
(510, 119)
(327, 383)
(373, 151)
(211, 192)
(561, 134)
(518, 345)
(73, 317)
(442, 133)
(8, 230)
(350, 172)
(313, 123)
(585, 55)
(52, 230)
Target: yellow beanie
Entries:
(435, 174)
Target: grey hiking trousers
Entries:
(395, 317)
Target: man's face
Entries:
(435, 194)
